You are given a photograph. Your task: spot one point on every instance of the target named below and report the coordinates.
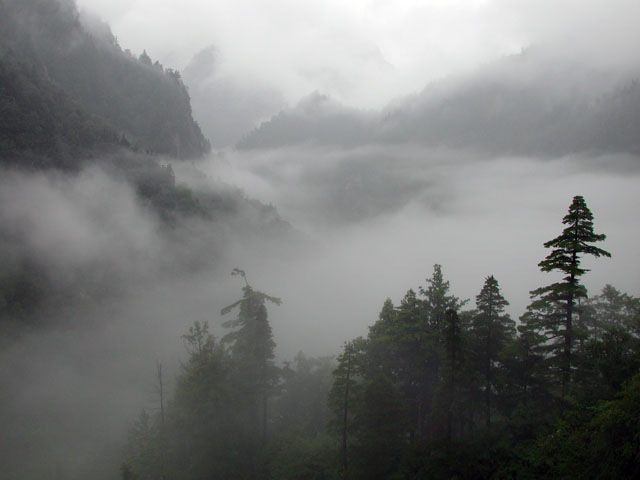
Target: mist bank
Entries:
(137, 260)
(77, 381)
(383, 215)
(103, 270)
(535, 103)
(226, 103)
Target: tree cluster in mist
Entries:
(98, 239)
(101, 269)
(436, 389)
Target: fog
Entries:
(123, 288)
(367, 52)
(368, 217)
(476, 216)
(374, 220)
(381, 217)
(245, 62)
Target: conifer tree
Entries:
(568, 248)
(437, 303)
(493, 329)
(251, 345)
(437, 299)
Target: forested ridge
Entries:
(68, 90)
(529, 103)
(440, 388)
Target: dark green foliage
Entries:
(301, 458)
(407, 345)
(433, 392)
(574, 242)
(379, 429)
(615, 434)
(554, 306)
(372, 422)
(251, 340)
(492, 330)
(525, 382)
(598, 441)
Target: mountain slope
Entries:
(40, 125)
(316, 120)
(147, 105)
(87, 132)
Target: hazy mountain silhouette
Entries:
(530, 103)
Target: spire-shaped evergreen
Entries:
(492, 329)
(568, 249)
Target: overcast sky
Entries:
(365, 52)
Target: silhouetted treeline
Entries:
(438, 389)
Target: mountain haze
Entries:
(232, 272)
(530, 103)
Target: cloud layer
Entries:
(366, 52)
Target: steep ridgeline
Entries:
(67, 87)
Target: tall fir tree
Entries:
(560, 299)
